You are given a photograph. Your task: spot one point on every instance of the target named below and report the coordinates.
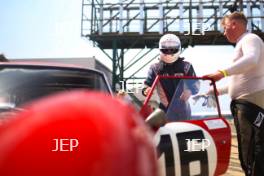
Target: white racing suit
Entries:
(167, 87)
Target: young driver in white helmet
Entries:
(170, 63)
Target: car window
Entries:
(21, 85)
(168, 96)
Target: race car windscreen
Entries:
(21, 85)
(184, 99)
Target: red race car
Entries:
(191, 135)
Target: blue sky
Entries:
(42, 29)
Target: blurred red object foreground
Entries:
(78, 133)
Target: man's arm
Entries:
(193, 85)
(149, 80)
(251, 48)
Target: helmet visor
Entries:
(169, 51)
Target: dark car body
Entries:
(23, 82)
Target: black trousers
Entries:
(250, 139)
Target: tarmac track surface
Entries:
(234, 168)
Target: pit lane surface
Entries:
(234, 168)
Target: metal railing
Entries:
(185, 16)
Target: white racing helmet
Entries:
(170, 47)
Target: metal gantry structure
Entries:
(123, 25)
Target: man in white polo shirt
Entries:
(246, 89)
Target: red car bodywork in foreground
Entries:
(79, 132)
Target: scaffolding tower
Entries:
(122, 25)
